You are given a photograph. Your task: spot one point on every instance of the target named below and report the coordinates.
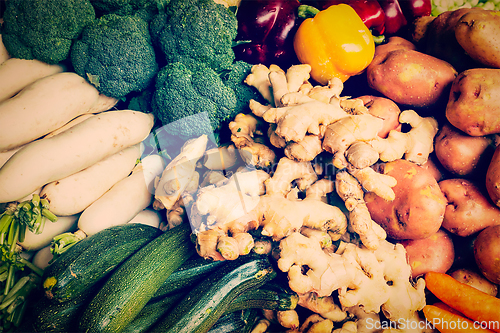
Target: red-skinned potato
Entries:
(435, 168)
(475, 279)
(418, 208)
(386, 109)
(474, 102)
(435, 253)
(493, 177)
(394, 43)
(409, 77)
(468, 210)
(460, 153)
(487, 253)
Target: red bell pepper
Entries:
(394, 17)
(415, 8)
(265, 31)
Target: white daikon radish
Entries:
(30, 196)
(149, 217)
(44, 161)
(34, 242)
(5, 155)
(71, 195)
(44, 106)
(70, 124)
(42, 257)
(16, 74)
(124, 200)
(4, 55)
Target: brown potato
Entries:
(410, 77)
(478, 32)
(386, 109)
(474, 102)
(468, 210)
(435, 253)
(435, 168)
(418, 209)
(394, 43)
(419, 28)
(493, 177)
(475, 279)
(460, 153)
(487, 253)
(442, 43)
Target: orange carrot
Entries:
(447, 322)
(444, 306)
(473, 303)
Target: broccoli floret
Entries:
(199, 30)
(191, 99)
(146, 9)
(44, 29)
(234, 78)
(116, 55)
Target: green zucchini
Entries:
(192, 271)
(106, 251)
(271, 296)
(172, 290)
(152, 312)
(208, 301)
(237, 321)
(57, 317)
(134, 283)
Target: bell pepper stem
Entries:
(306, 11)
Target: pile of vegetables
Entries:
(249, 166)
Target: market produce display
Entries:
(249, 166)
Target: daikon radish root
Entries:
(30, 196)
(42, 257)
(34, 242)
(5, 155)
(4, 55)
(72, 194)
(16, 74)
(149, 217)
(103, 103)
(44, 161)
(44, 106)
(124, 200)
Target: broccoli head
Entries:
(234, 78)
(44, 29)
(145, 8)
(115, 54)
(191, 99)
(199, 30)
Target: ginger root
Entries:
(340, 135)
(241, 204)
(415, 145)
(246, 130)
(360, 221)
(179, 172)
(294, 122)
(376, 280)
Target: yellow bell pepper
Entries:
(335, 43)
